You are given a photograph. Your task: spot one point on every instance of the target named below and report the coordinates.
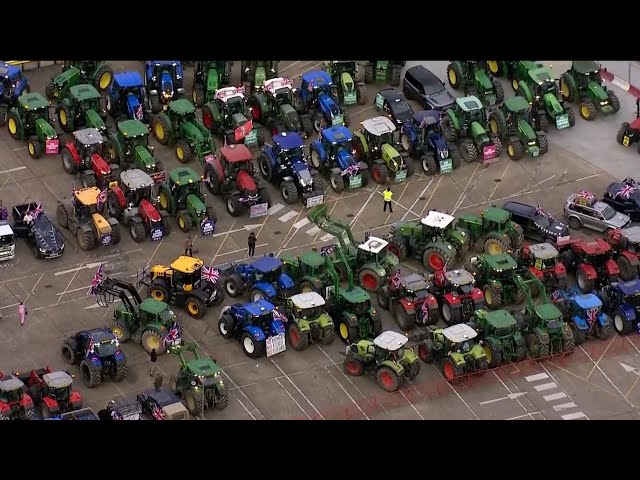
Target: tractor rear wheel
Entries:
(395, 75)
(493, 352)
(588, 110)
(233, 285)
(388, 379)
(251, 347)
(585, 284)
(62, 216)
(183, 151)
(568, 342)
(122, 371)
(103, 78)
(499, 89)
(14, 125)
(153, 340)
(622, 323)
(622, 131)
(402, 318)
(398, 249)
(337, 182)
(627, 271)
(289, 192)
(450, 370)
(492, 297)
(614, 101)
(450, 134)
(158, 291)
(533, 344)
(65, 117)
(226, 326)
(86, 240)
(198, 95)
(155, 104)
(353, 367)
(435, 258)
(328, 335)
(91, 376)
(451, 315)
(137, 231)
(369, 280)
(173, 384)
(49, 89)
(120, 331)
(380, 173)
(605, 331)
(193, 403)
(195, 307)
(185, 221)
(298, 340)
(221, 401)
(348, 333)
(426, 351)
(369, 73)
(383, 298)
(69, 351)
(515, 149)
(454, 76)
(361, 92)
(542, 121)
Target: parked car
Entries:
(395, 105)
(536, 223)
(584, 210)
(422, 85)
(624, 197)
(41, 234)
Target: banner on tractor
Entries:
(159, 177)
(259, 210)
(276, 345)
(157, 234)
(51, 146)
(243, 130)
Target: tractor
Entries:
(542, 261)
(253, 74)
(384, 357)
(184, 284)
(182, 196)
(500, 279)
(512, 123)
(12, 84)
(464, 125)
(284, 164)
(133, 204)
(369, 260)
(592, 261)
(228, 115)
(383, 71)
(348, 89)
(231, 174)
(457, 295)
(30, 120)
(163, 82)
(98, 353)
(314, 98)
(208, 77)
(258, 326)
(513, 70)
(500, 336)
(148, 322)
(474, 79)
(51, 391)
(375, 144)
(493, 231)
(126, 98)
(622, 301)
(626, 249)
(308, 321)
(627, 134)
(435, 241)
(273, 107)
(179, 126)
(83, 217)
(199, 381)
(81, 107)
(332, 154)
(582, 84)
(85, 155)
(423, 136)
(583, 312)
(15, 403)
(59, 85)
(129, 147)
(310, 272)
(408, 298)
(95, 72)
(262, 278)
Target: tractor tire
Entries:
(398, 249)
(348, 334)
(493, 352)
(369, 280)
(91, 376)
(413, 369)
(226, 326)
(429, 164)
(410, 166)
(369, 73)
(314, 160)
(159, 166)
(376, 324)
(265, 167)
(454, 76)
(122, 371)
(196, 308)
(153, 340)
(289, 192)
(407, 144)
(3, 115)
(111, 152)
(185, 221)
(198, 95)
(535, 347)
(588, 110)
(365, 177)
(383, 298)
(426, 351)
(256, 294)
(492, 297)
(572, 115)
(221, 401)
(183, 151)
(456, 157)
(396, 70)
(233, 285)
(627, 271)
(103, 78)
(402, 318)
(34, 147)
(469, 151)
(65, 118)
(173, 384)
(88, 179)
(252, 348)
(137, 231)
(307, 125)
(155, 103)
(49, 90)
(115, 234)
(298, 340)
(319, 122)
(495, 246)
(615, 102)
(515, 150)
(68, 163)
(62, 216)
(353, 367)
(346, 118)
(14, 125)
(568, 342)
(450, 371)
(450, 135)
(158, 291)
(499, 91)
(69, 351)
(622, 131)
(328, 335)
(567, 88)
(86, 240)
(498, 143)
(434, 258)
(120, 331)
(307, 286)
(496, 124)
(265, 196)
(451, 316)
(605, 332)
(388, 379)
(578, 335)
(621, 323)
(161, 129)
(361, 92)
(542, 122)
(193, 403)
(585, 285)
(318, 182)
(260, 135)
(543, 143)
(337, 182)
(380, 173)
(234, 206)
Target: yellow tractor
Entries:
(84, 219)
(183, 284)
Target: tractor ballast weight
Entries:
(582, 85)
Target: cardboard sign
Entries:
(276, 345)
(259, 210)
(156, 234)
(626, 140)
(562, 121)
(52, 146)
(489, 152)
(313, 201)
(379, 101)
(243, 130)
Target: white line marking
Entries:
(536, 377)
(352, 223)
(36, 284)
(288, 216)
(74, 290)
(464, 191)
(511, 396)
(573, 416)
(14, 169)
(509, 392)
(294, 400)
(545, 386)
(252, 227)
(417, 199)
(282, 70)
(75, 270)
(296, 387)
(18, 149)
(215, 235)
(530, 415)
(564, 406)
(412, 405)
(606, 376)
(301, 223)
(275, 209)
(313, 230)
(555, 396)
(326, 238)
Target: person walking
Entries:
(388, 196)
(252, 244)
(22, 310)
(153, 356)
(188, 247)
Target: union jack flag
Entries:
(157, 413)
(38, 210)
(328, 250)
(592, 315)
(97, 279)
(279, 316)
(555, 296)
(588, 196)
(310, 87)
(540, 211)
(102, 198)
(210, 274)
(626, 191)
(116, 415)
(395, 280)
(425, 312)
(91, 346)
(350, 170)
(139, 113)
(174, 333)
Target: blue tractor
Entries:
(332, 154)
(126, 98)
(163, 81)
(422, 137)
(258, 326)
(315, 99)
(583, 312)
(284, 164)
(622, 301)
(12, 84)
(98, 353)
(263, 279)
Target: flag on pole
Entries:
(38, 210)
(174, 333)
(102, 198)
(97, 279)
(279, 316)
(91, 346)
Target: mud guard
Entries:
(455, 123)
(303, 325)
(325, 321)
(633, 258)
(611, 267)
(525, 91)
(363, 141)
(408, 306)
(119, 146)
(120, 196)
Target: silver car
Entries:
(584, 210)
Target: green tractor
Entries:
(254, 73)
(97, 73)
(181, 195)
(81, 107)
(492, 232)
(501, 338)
(179, 126)
(370, 260)
(208, 77)
(59, 85)
(465, 126)
(474, 79)
(500, 279)
(582, 84)
(129, 147)
(199, 381)
(435, 241)
(310, 272)
(348, 90)
(384, 357)
(29, 120)
(308, 321)
(455, 349)
(512, 123)
(383, 71)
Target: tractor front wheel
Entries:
(578, 335)
(86, 240)
(614, 101)
(605, 331)
(298, 340)
(122, 371)
(403, 319)
(585, 284)
(568, 342)
(588, 110)
(337, 182)
(328, 335)
(542, 121)
(622, 132)
(91, 376)
(627, 271)
(380, 173)
(413, 369)
(194, 404)
(429, 164)
(515, 150)
(226, 326)
(195, 307)
(426, 351)
(185, 221)
(138, 233)
(622, 323)
(221, 401)
(361, 91)
(469, 151)
(69, 351)
(183, 151)
(383, 298)
(65, 117)
(450, 370)
(543, 143)
(451, 316)
(388, 379)
(3, 115)
(289, 192)
(492, 297)
(251, 347)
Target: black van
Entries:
(537, 224)
(423, 85)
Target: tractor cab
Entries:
(312, 264)
(260, 314)
(34, 106)
(307, 305)
(459, 338)
(202, 372)
(128, 88)
(85, 204)
(629, 293)
(256, 72)
(470, 110)
(89, 142)
(337, 143)
(100, 342)
(586, 71)
(184, 182)
(461, 282)
(437, 224)
(595, 252)
(314, 84)
(543, 256)
(500, 324)
(380, 135)
(155, 311)
(166, 76)
(289, 146)
(185, 273)
(231, 100)
(587, 306)
(337, 67)
(11, 390)
(501, 266)
(236, 159)
(390, 345)
(280, 90)
(373, 250)
(414, 288)
(428, 123)
(137, 186)
(12, 83)
(135, 133)
(58, 386)
(495, 219)
(358, 300)
(86, 97)
(544, 81)
(181, 111)
(517, 109)
(269, 269)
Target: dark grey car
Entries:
(423, 85)
(586, 211)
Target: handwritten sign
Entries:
(206, 227)
(313, 201)
(52, 146)
(156, 234)
(259, 210)
(276, 345)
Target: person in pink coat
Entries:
(22, 310)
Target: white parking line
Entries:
(564, 406)
(536, 377)
(545, 386)
(410, 209)
(275, 209)
(294, 400)
(555, 396)
(313, 230)
(288, 216)
(574, 416)
(81, 267)
(326, 238)
(14, 169)
(298, 225)
(412, 405)
(296, 387)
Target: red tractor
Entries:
(542, 261)
(231, 174)
(626, 251)
(51, 391)
(84, 155)
(409, 299)
(457, 295)
(592, 262)
(15, 404)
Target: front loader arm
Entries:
(318, 215)
(111, 288)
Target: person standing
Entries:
(252, 244)
(388, 196)
(188, 247)
(22, 310)
(153, 356)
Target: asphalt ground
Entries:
(590, 384)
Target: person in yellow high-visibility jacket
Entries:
(388, 196)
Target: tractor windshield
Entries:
(11, 396)
(61, 394)
(106, 348)
(292, 153)
(310, 313)
(396, 355)
(167, 316)
(415, 295)
(503, 332)
(383, 138)
(33, 115)
(282, 96)
(465, 289)
(93, 148)
(139, 140)
(598, 258)
(271, 276)
(235, 105)
(361, 308)
(139, 194)
(547, 262)
(6, 240)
